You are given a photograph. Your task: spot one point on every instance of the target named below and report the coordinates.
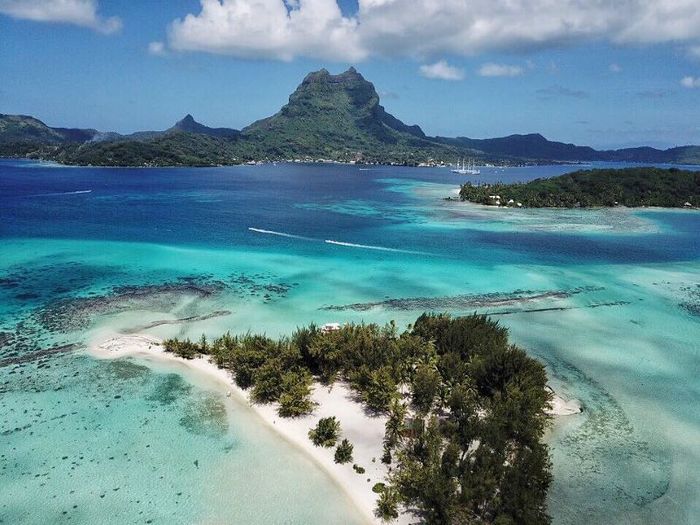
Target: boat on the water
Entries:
(468, 168)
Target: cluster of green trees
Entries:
(186, 348)
(325, 434)
(272, 369)
(373, 360)
(471, 452)
(343, 453)
(466, 409)
(671, 188)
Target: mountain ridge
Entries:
(536, 146)
(17, 128)
(333, 117)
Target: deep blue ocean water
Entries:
(608, 299)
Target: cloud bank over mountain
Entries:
(284, 30)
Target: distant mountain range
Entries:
(331, 117)
(536, 147)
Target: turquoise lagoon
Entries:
(608, 299)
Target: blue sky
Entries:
(605, 86)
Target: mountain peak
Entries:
(351, 73)
(343, 106)
(322, 84)
(187, 123)
(323, 76)
(190, 125)
(316, 76)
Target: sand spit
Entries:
(363, 430)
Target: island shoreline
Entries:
(365, 431)
(148, 350)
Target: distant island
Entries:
(335, 118)
(632, 187)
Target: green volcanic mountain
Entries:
(333, 117)
(337, 116)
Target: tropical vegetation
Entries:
(644, 186)
(466, 410)
(325, 433)
(343, 453)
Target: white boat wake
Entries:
(371, 247)
(336, 243)
(78, 192)
(282, 234)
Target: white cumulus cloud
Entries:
(441, 70)
(268, 29)
(425, 29)
(690, 82)
(500, 70)
(78, 12)
(615, 68)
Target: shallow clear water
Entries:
(608, 299)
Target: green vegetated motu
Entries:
(670, 188)
(466, 409)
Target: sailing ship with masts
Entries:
(467, 168)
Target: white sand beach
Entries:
(363, 430)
